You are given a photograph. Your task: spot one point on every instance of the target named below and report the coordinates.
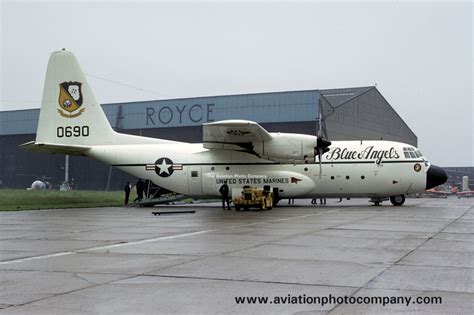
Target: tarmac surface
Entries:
(125, 260)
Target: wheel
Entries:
(397, 200)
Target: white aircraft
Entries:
(240, 152)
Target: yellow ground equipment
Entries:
(254, 197)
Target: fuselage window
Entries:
(227, 168)
(194, 173)
(347, 177)
(332, 177)
(362, 177)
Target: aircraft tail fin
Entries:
(70, 113)
(71, 120)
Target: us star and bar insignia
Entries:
(164, 167)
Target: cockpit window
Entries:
(411, 153)
(406, 152)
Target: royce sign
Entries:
(179, 114)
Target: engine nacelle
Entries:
(287, 147)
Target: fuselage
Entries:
(349, 169)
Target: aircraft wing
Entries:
(240, 135)
(55, 148)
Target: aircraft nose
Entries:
(435, 176)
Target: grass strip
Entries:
(13, 199)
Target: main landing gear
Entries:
(397, 200)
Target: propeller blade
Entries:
(322, 144)
(320, 153)
(320, 129)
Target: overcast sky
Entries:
(420, 55)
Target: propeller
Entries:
(322, 143)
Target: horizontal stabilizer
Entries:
(55, 148)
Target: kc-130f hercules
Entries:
(240, 152)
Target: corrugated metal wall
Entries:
(367, 116)
(262, 107)
(19, 122)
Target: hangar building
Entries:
(350, 114)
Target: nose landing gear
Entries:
(397, 200)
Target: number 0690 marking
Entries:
(72, 131)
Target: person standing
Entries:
(126, 189)
(224, 191)
(140, 188)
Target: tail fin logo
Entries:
(70, 99)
